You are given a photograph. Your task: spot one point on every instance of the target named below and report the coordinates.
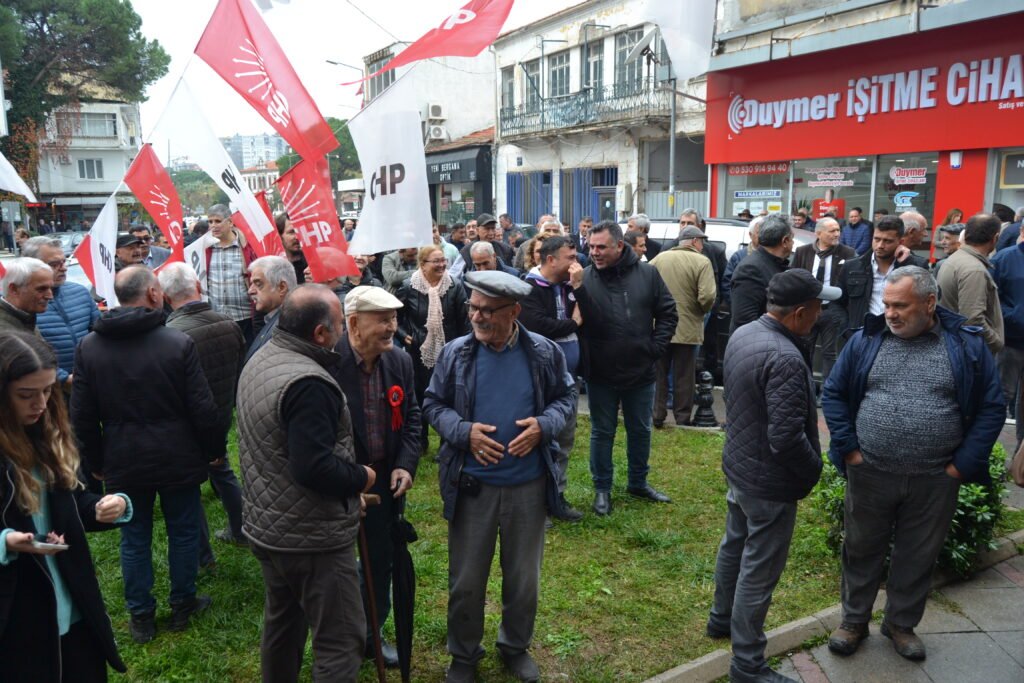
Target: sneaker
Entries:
(225, 536)
(182, 613)
(142, 627)
(847, 638)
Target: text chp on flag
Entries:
(240, 47)
(466, 33)
(184, 124)
(152, 186)
(306, 192)
(389, 142)
(96, 252)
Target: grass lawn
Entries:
(622, 598)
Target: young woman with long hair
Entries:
(53, 623)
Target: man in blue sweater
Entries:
(498, 398)
(70, 314)
(856, 233)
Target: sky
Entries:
(310, 33)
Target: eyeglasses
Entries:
(438, 262)
(484, 311)
(145, 240)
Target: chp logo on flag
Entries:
(160, 200)
(277, 108)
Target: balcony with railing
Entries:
(590, 107)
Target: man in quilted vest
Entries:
(771, 460)
(301, 499)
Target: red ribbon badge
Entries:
(395, 398)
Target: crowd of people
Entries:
(489, 338)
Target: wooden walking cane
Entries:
(364, 557)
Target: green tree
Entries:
(59, 52)
(195, 188)
(344, 160)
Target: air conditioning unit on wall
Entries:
(436, 112)
(437, 133)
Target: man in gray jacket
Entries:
(771, 460)
(301, 501)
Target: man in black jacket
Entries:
(750, 279)
(863, 278)
(221, 348)
(378, 381)
(631, 317)
(551, 312)
(147, 424)
(771, 460)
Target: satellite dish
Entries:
(642, 45)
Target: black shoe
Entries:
(566, 512)
(659, 424)
(650, 493)
(142, 627)
(387, 651)
(602, 503)
(183, 612)
(521, 666)
(713, 631)
(225, 536)
(459, 672)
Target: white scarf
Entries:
(434, 341)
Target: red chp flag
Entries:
(270, 245)
(305, 190)
(152, 186)
(464, 34)
(239, 46)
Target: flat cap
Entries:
(485, 218)
(498, 285)
(952, 228)
(797, 286)
(126, 239)
(691, 232)
(363, 299)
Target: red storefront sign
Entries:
(772, 168)
(955, 88)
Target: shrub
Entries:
(978, 511)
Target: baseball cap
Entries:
(125, 239)
(485, 218)
(796, 286)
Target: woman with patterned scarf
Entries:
(433, 313)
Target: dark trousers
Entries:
(637, 403)
(225, 485)
(516, 514)
(1011, 370)
(826, 330)
(181, 508)
(911, 511)
(681, 361)
(566, 439)
(378, 523)
(750, 561)
(316, 592)
(422, 374)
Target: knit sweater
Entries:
(910, 384)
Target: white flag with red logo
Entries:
(11, 181)
(152, 186)
(184, 125)
(306, 192)
(239, 46)
(463, 34)
(96, 252)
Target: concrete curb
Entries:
(789, 636)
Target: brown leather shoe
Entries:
(904, 641)
(846, 639)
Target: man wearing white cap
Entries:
(378, 381)
(498, 398)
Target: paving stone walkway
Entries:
(973, 632)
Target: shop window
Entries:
(1009, 185)
(756, 187)
(906, 182)
(824, 186)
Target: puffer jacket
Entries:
(142, 409)
(412, 317)
(221, 348)
(771, 440)
(449, 403)
(65, 322)
(978, 392)
(629, 317)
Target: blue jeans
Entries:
(637, 406)
(181, 508)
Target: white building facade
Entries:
(249, 151)
(85, 155)
(583, 124)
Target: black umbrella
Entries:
(403, 587)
